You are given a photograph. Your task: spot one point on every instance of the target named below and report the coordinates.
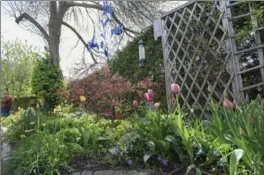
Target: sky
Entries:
(10, 30)
(70, 55)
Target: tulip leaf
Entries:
(170, 138)
(147, 156)
(102, 138)
(198, 172)
(190, 168)
(235, 157)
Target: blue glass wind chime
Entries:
(107, 17)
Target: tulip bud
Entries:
(156, 105)
(135, 104)
(175, 88)
(228, 104)
(241, 131)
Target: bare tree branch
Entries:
(33, 21)
(99, 7)
(75, 44)
(80, 37)
(125, 28)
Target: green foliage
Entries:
(29, 122)
(18, 60)
(234, 160)
(65, 110)
(40, 153)
(126, 61)
(243, 128)
(8, 121)
(157, 133)
(47, 80)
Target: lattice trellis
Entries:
(202, 55)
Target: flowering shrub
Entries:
(106, 93)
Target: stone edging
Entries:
(113, 172)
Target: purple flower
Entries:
(159, 158)
(164, 162)
(130, 162)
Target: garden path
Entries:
(113, 172)
(5, 146)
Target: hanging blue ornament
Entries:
(106, 52)
(102, 35)
(107, 8)
(102, 44)
(104, 23)
(92, 44)
(118, 30)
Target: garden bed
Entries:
(64, 143)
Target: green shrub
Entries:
(47, 81)
(125, 62)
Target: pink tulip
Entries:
(135, 104)
(156, 105)
(151, 93)
(175, 88)
(228, 104)
(147, 97)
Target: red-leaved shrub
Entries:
(105, 92)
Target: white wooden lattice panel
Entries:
(200, 54)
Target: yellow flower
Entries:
(82, 98)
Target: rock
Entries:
(89, 165)
(87, 173)
(5, 151)
(105, 172)
(77, 173)
(132, 172)
(144, 173)
(120, 172)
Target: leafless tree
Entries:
(48, 17)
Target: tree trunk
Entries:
(55, 23)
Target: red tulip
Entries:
(175, 88)
(156, 105)
(228, 104)
(135, 104)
